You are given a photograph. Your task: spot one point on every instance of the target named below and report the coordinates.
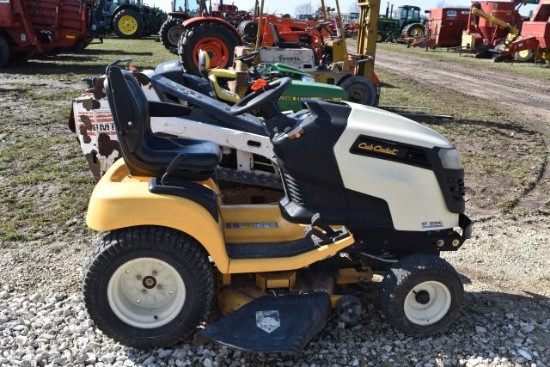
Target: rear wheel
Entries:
(380, 37)
(148, 286)
(4, 52)
(414, 30)
(421, 295)
(248, 30)
(524, 56)
(170, 34)
(128, 23)
(216, 39)
(360, 90)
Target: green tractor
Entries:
(407, 25)
(126, 18)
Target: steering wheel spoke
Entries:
(268, 94)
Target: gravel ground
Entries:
(505, 321)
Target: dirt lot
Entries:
(505, 267)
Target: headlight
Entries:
(308, 79)
(450, 158)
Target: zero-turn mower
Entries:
(366, 191)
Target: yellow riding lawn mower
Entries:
(365, 192)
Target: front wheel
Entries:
(421, 295)
(360, 90)
(148, 287)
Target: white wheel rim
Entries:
(146, 293)
(435, 302)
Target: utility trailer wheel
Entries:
(360, 90)
(214, 38)
(421, 295)
(128, 23)
(4, 52)
(170, 33)
(148, 287)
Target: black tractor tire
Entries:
(170, 33)
(360, 90)
(380, 37)
(414, 30)
(421, 295)
(214, 38)
(524, 56)
(4, 52)
(21, 57)
(248, 30)
(128, 24)
(148, 287)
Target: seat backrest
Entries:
(145, 153)
(280, 43)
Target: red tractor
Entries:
(29, 28)
(194, 25)
(182, 10)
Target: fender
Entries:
(198, 20)
(119, 201)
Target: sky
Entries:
(346, 6)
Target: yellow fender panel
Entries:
(119, 201)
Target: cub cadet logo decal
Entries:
(377, 148)
(268, 321)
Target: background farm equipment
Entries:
(219, 37)
(126, 18)
(408, 24)
(444, 27)
(173, 29)
(534, 40)
(328, 61)
(31, 28)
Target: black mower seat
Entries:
(210, 110)
(145, 153)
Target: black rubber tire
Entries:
(404, 276)
(360, 90)
(524, 56)
(4, 52)
(193, 36)
(248, 30)
(380, 37)
(170, 33)
(414, 30)
(21, 57)
(140, 24)
(181, 252)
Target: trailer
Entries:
(30, 28)
(534, 39)
(444, 27)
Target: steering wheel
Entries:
(270, 93)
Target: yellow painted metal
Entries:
(222, 93)
(284, 279)
(366, 39)
(231, 299)
(120, 201)
(352, 276)
(258, 223)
